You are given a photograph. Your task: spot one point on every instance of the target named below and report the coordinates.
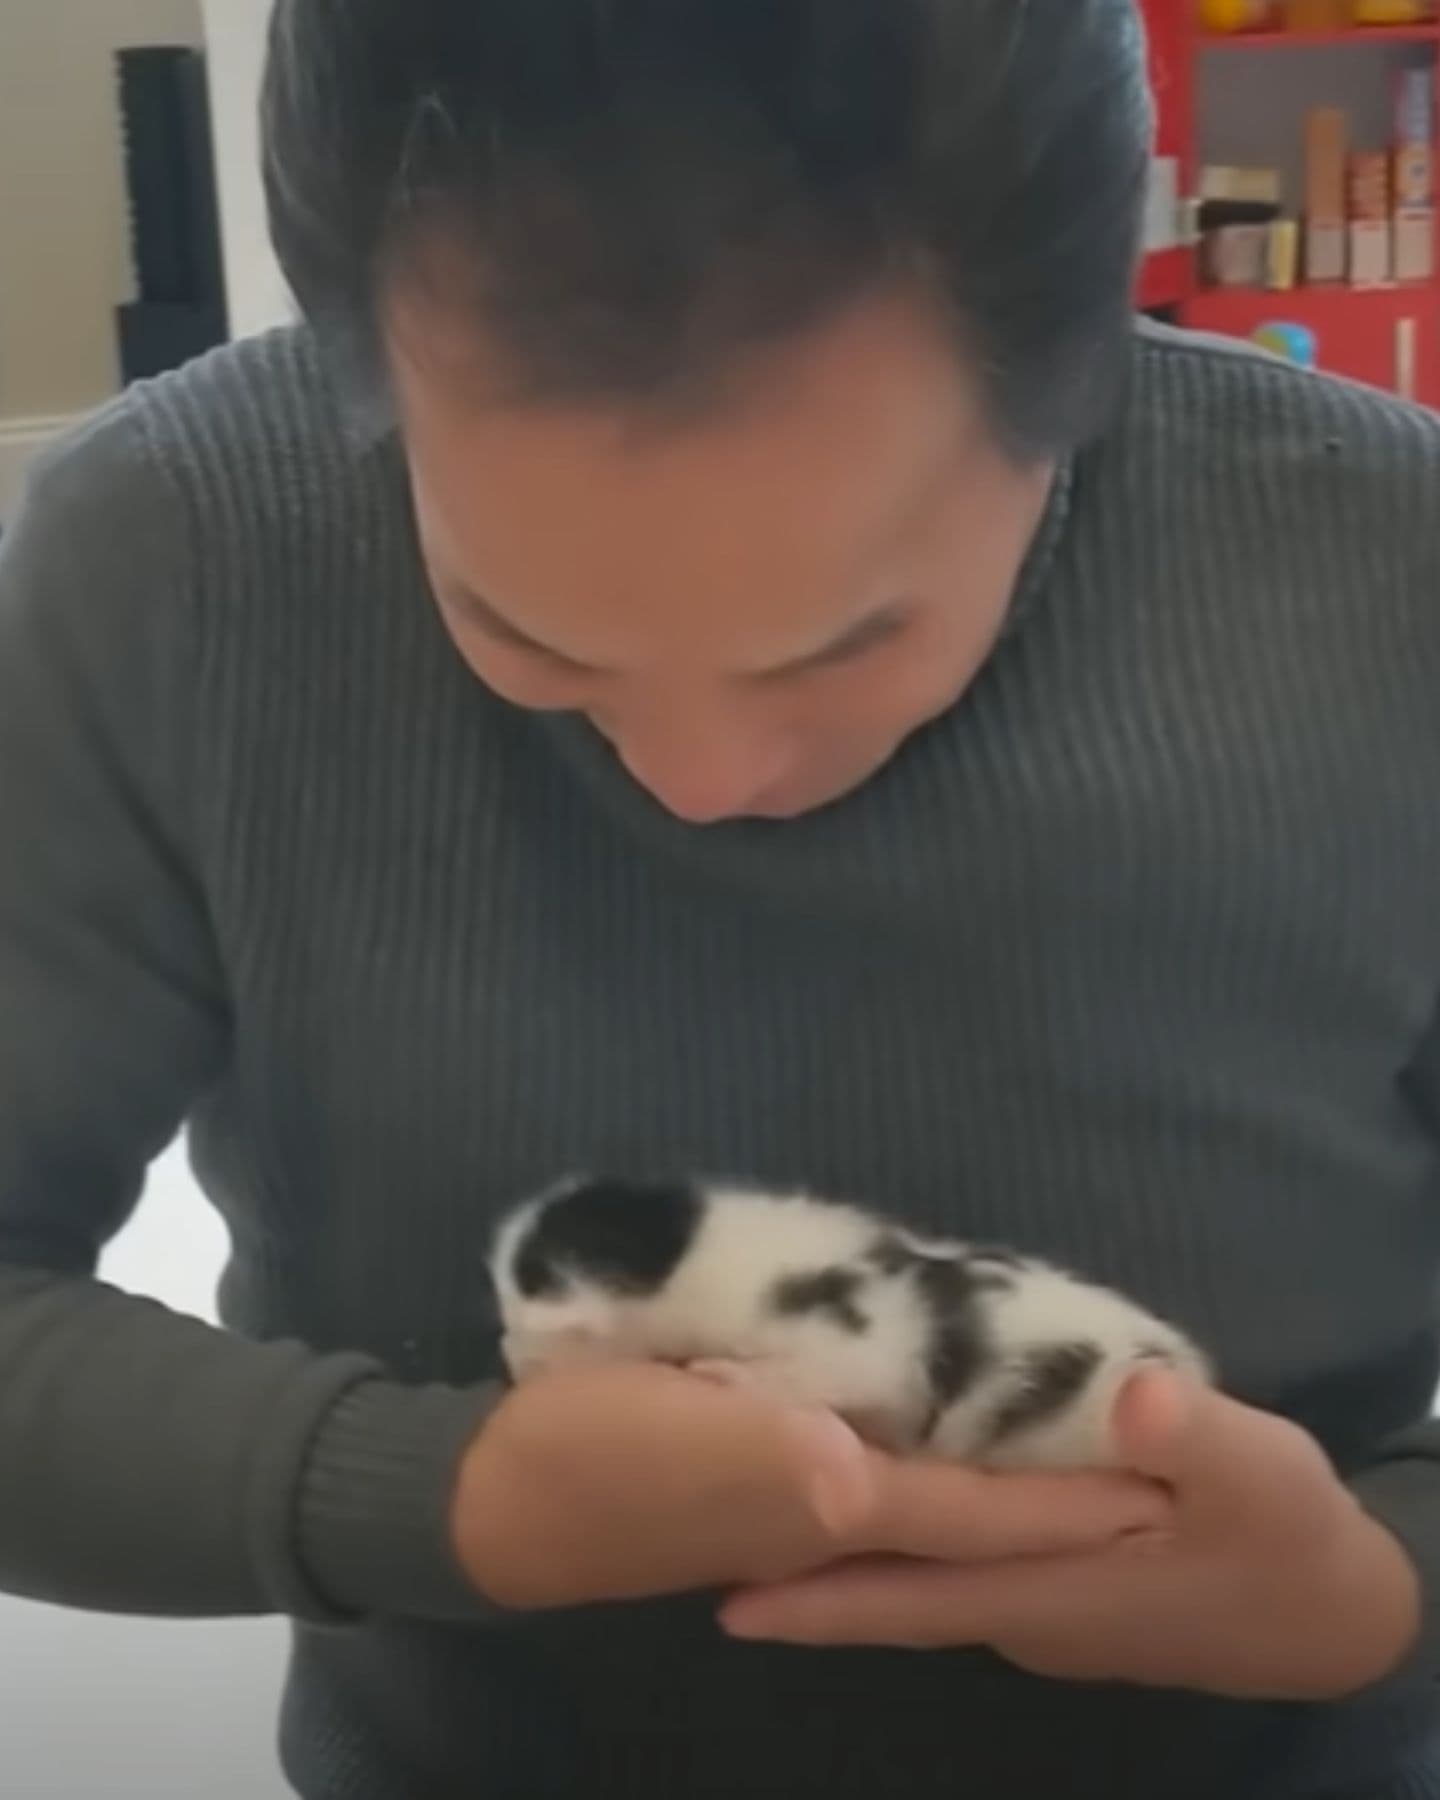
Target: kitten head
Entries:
(566, 1261)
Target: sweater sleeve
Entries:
(151, 1463)
(1402, 1490)
(1401, 1486)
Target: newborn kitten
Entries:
(967, 1353)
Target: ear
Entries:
(511, 1233)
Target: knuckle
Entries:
(1298, 1452)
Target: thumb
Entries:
(1159, 1425)
(840, 1471)
(1210, 1448)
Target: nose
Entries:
(702, 772)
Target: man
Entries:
(721, 647)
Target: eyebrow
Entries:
(874, 628)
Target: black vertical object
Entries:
(174, 211)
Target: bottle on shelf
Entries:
(1226, 17)
(1391, 12)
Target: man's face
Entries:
(755, 605)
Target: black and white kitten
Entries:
(970, 1354)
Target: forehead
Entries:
(799, 479)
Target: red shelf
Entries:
(1358, 330)
(1165, 278)
(1307, 305)
(1387, 337)
(1426, 33)
(1347, 319)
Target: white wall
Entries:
(133, 1710)
(127, 1709)
(21, 441)
(65, 258)
(235, 35)
(65, 255)
(64, 240)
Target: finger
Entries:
(942, 1513)
(905, 1605)
(1208, 1447)
(841, 1475)
(894, 1605)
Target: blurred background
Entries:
(127, 192)
(182, 1711)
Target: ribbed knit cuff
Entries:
(374, 1525)
(1404, 1495)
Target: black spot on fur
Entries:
(1051, 1378)
(989, 1267)
(952, 1289)
(834, 1292)
(959, 1343)
(627, 1236)
(892, 1255)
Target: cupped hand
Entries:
(1269, 1581)
(634, 1481)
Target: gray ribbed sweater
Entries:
(1131, 959)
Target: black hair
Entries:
(642, 188)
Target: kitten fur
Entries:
(961, 1352)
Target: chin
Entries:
(796, 802)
